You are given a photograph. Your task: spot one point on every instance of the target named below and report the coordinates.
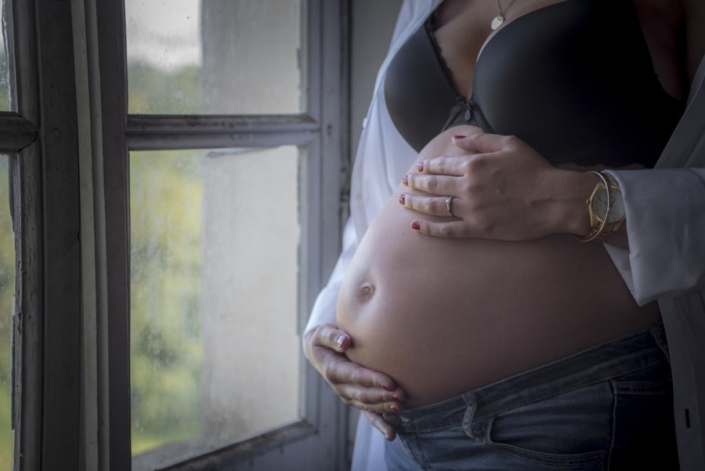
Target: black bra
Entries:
(574, 80)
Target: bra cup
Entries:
(416, 91)
(574, 80)
(574, 92)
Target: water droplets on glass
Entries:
(205, 264)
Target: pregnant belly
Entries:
(444, 316)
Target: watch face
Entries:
(599, 205)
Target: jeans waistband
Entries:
(594, 365)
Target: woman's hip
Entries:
(607, 407)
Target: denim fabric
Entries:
(606, 408)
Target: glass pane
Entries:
(4, 74)
(214, 345)
(7, 293)
(215, 56)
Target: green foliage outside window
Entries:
(165, 224)
(166, 228)
(7, 290)
(166, 201)
(156, 91)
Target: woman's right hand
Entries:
(368, 390)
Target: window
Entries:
(215, 355)
(177, 172)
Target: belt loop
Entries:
(658, 332)
(471, 403)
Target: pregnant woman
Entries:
(480, 313)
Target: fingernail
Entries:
(405, 180)
(415, 225)
(419, 166)
(458, 137)
(402, 199)
(394, 408)
(385, 388)
(395, 398)
(339, 341)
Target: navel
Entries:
(366, 291)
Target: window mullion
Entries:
(60, 312)
(152, 132)
(325, 200)
(16, 133)
(114, 328)
(26, 208)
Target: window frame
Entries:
(319, 438)
(42, 138)
(69, 144)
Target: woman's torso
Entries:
(444, 316)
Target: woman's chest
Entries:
(463, 30)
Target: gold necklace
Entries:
(499, 19)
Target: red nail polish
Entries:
(385, 388)
(402, 199)
(394, 409)
(419, 166)
(458, 137)
(415, 225)
(395, 398)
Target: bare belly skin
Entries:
(443, 316)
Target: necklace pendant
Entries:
(497, 22)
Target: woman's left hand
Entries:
(502, 189)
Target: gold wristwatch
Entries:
(606, 209)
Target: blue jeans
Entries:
(606, 408)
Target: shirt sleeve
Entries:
(324, 308)
(368, 454)
(665, 210)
